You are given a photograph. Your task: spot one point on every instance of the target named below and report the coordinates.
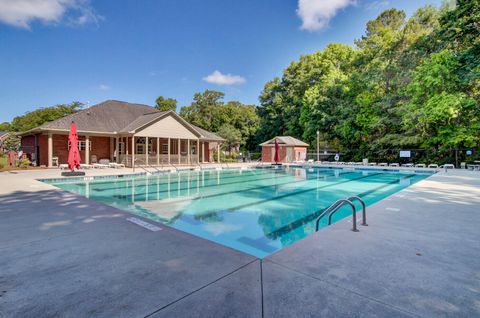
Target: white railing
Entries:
(140, 159)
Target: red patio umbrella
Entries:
(73, 153)
(276, 157)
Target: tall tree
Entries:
(233, 118)
(164, 104)
(5, 126)
(42, 115)
(407, 83)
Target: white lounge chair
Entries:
(383, 164)
(394, 165)
(408, 165)
(372, 163)
(433, 165)
(116, 165)
(63, 166)
(448, 166)
(420, 165)
(310, 161)
(85, 166)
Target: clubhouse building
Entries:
(132, 134)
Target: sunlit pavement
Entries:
(64, 255)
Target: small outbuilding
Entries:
(290, 149)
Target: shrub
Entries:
(24, 163)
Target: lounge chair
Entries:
(116, 165)
(85, 166)
(394, 165)
(420, 165)
(383, 164)
(372, 163)
(310, 161)
(63, 166)
(102, 164)
(448, 166)
(433, 165)
(408, 165)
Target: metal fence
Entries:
(427, 156)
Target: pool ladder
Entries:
(340, 203)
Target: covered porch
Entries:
(160, 151)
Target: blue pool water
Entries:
(257, 211)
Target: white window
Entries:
(121, 148)
(82, 145)
(140, 147)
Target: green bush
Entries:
(24, 163)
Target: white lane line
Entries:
(144, 224)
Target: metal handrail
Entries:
(364, 208)
(145, 164)
(334, 208)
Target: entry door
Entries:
(289, 154)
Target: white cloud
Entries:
(224, 79)
(316, 14)
(21, 13)
(103, 87)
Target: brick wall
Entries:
(267, 153)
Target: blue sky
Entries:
(58, 51)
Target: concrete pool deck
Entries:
(66, 256)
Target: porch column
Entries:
(218, 152)
(87, 149)
(198, 150)
(50, 151)
(117, 150)
(203, 151)
(133, 152)
(168, 148)
(111, 148)
(158, 151)
(188, 151)
(146, 151)
(178, 148)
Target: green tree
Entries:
(209, 112)
(164, 104)
(11, 143)
(232, 136)
(407, 83)
(42, 115)
(5, 126)
(200, 111)
(440, 115)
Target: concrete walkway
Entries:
(66, 256)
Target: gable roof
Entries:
(3, 133)
(206, 134)
(108, 117)
(142, 121)
(113, 117)
(285, 140)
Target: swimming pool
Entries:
(257, 211)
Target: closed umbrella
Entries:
(276, 157)
(73, 154)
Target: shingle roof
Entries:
(109, 116)
(3, 133)
(285, 140)
(114, 116)
(206, 134)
